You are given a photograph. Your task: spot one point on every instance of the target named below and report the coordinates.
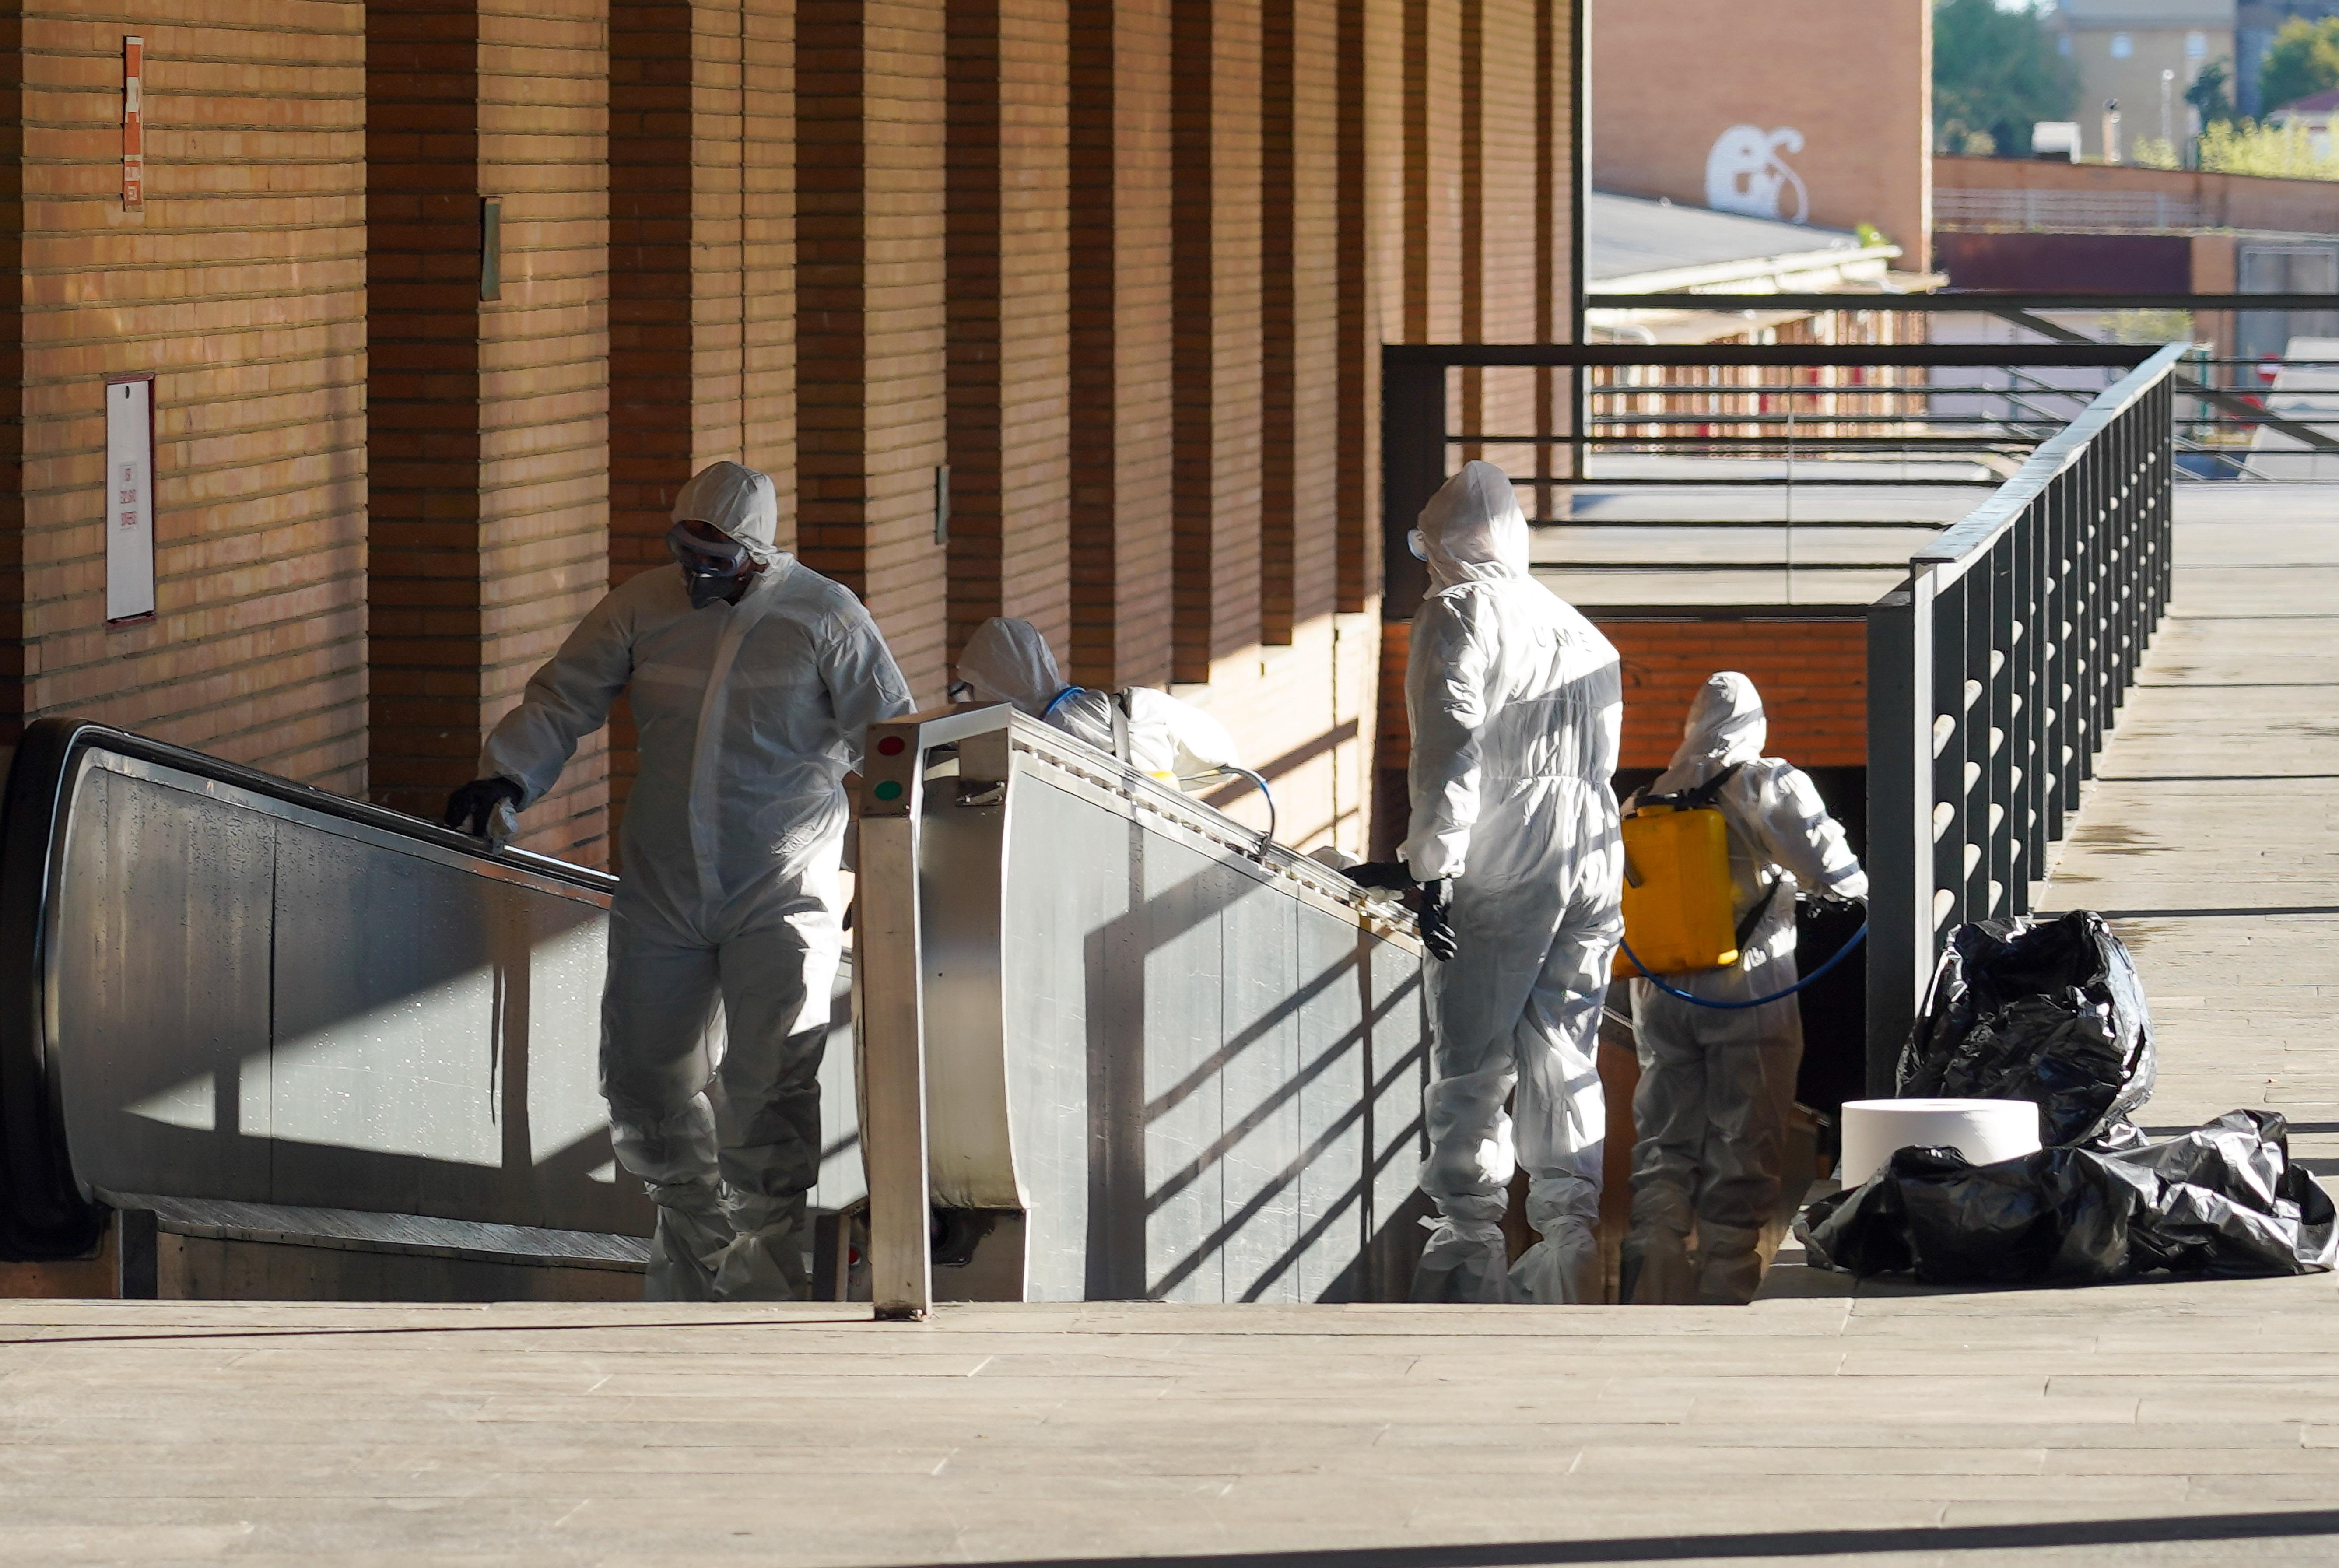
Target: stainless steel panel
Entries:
(1186, 1024)
(1399, 1075)
(1258, 1064)
(1334, 963)
(1184, 1012)
(1064, 948)
(159, 990)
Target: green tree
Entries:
(2303, 60)
(2212, 94)
(1996, 72)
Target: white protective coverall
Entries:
(1516, 704)
(750, 715)
(1710, 1112)
(1008, 661)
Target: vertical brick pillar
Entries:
(488, 535)
(422, 332)
(16, 700)
(1430, 311)
(1008, 232)
(870, 258)
(1369, 288)
(1555, 208)
(1500, 102)
(1215, 315)
(701, 268)
(1119, 425)
(1300, 196)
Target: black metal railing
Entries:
(1703, 415)
(1994, 675)
(2266, 416)
(1994, 670)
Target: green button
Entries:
(889, 790)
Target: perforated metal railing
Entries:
(1994, 674)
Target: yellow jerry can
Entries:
(1677, 894)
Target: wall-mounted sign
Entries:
(134, 123)
(129, 500)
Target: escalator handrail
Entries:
(42, 1214)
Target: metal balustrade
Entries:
(1995, 671)
(1995, 674)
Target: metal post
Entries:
(887, 953)
(1899, 825)
(2001, 820)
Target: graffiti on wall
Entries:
(1745, 174)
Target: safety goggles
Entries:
(705, 558)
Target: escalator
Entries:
(260, 1040)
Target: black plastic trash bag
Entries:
(2051, 1012)
(2222, 1200)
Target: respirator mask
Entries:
(710, 570)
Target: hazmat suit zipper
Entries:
(714, 706)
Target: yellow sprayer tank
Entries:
(1677, 894)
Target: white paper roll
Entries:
(1984, 1130)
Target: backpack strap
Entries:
(1708, 796)
(1700, 796)
(1754, 916)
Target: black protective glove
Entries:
(470, 808)
(1387, 875)
(1436, 930)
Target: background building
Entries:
(1818, 112)
(2122, 47)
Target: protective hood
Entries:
(1472, 530)
(1008, 661)
(736, 500)
(1725, 727)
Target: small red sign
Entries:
(133, 123)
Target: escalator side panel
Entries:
(1242, 1050)
(1175, 1058)
(1333, 1100)
(167, 1019)
(406, 1042)
(1399, 1072)
(230, 986)
(1263, 1001)
(1076, 1125)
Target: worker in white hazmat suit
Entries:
(1716, 1084)
(753, 679)
(1517, 703)
(1008, 661)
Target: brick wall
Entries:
(1119, 425)
(1008, 316)
(1126, 268)
(871, 385)
(1674, 75)
(488, 534)
(1812, 674)
(240, 288)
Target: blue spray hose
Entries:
(1836, 958)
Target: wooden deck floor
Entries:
(2150, 1424)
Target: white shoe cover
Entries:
(1464, 1261)
(1564, 1267)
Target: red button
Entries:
(891, 746)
